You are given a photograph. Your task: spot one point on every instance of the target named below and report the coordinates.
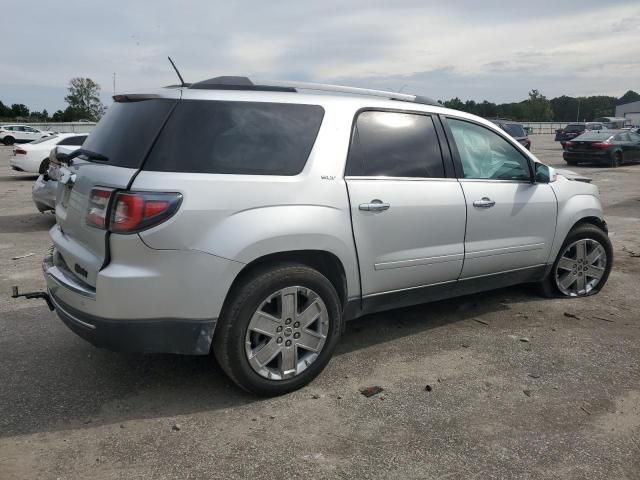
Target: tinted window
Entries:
(252, 138)
(634, 137)
(622, 137)
(77, 140)
(395, 145)
(574, 127)
(514, 129)
(486, 155)
(126, 132)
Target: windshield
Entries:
(574, 127)
(44, 139)
(514, 129)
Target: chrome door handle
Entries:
(486, 202)
(375, 206)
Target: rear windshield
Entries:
(514, 129)
(588, 136)
(44, 139)
(126, 132)
(250, 138)
(574, 127)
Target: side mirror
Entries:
(542, 173)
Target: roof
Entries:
(244, 83)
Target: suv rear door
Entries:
(124, 136)
(408, 211)
(511, 221)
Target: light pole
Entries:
(577, 114)
(114, 83)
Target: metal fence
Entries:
(62, 127)
(540, 128)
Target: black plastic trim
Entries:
(158, 335)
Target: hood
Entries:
(571, 175)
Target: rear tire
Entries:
(556, 283)
(9, 141)
(616, 159)
(44, 166)
(268, 312)
(573, 163)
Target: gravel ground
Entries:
(519, 386)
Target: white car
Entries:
(10, 134)
(34, 157)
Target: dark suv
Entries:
(572, 130)
(514, 129)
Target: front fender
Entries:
(570, 212)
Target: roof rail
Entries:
(244, 83)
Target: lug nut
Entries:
(279, 340)
(296, 325)
(287, 321)
(279, 329)
(288, 343)
(296, 335)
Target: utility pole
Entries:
(114, 83)
(577, 114)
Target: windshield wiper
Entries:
(68, 157)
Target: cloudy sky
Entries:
(489, 49)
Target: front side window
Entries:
(486, 155)
(394, 144)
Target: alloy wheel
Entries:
(581, 267)
(286, 333)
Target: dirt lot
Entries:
(521, 387)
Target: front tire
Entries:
(9, 141)
(583, 264)
(278, 329)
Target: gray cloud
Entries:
(468, 49)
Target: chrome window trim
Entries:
(402, 179)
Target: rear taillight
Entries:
(98, 207)
(568, 144)
(130, 212)
(600, 145)
(19, 151)
(137, 211)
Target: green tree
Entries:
(628, 97)
(19, 110)
(45, 115)
(537, 108)
(84, 99)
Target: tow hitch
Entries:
(43, 295)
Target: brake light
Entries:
(568, 144)
(137, 211)
(601, 145)
(19, 151)
(98, 207)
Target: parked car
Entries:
(10, 134)
(34, 157)
(515, 129)
(612, 148)
(253, 220)
(45, 187)
(574, 129)
(614, 123)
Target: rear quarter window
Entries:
(246, 138)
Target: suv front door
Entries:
(511, 221)
(408, 213)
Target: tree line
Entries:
(537, 108)
(83, 102)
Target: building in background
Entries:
(630, 111)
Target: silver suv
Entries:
(252, 220)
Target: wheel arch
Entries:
(327, 263)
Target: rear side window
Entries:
(127, 131)
(394, 144)
(514, 129)
(574, 127)
(250, 138)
